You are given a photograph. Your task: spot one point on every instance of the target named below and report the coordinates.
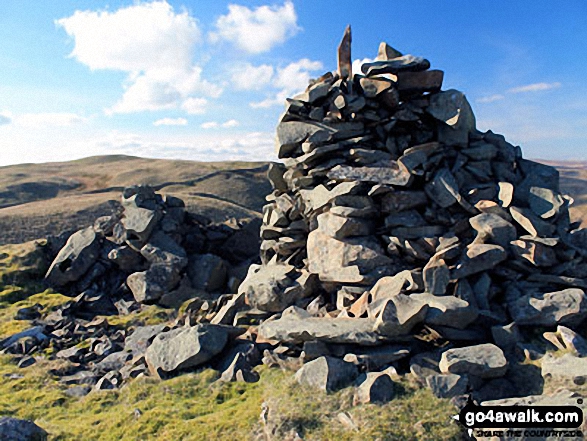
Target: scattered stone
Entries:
(447, 385)
(13, 429)
(374, 387)
(566, 307)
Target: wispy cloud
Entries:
(490, 98)
(36, 120)
(170, 122)
(536, 87)
(5, 118)
(225, 125)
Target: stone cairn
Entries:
(398, 239)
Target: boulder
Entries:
(569, 367)
(492, 228)
(148, 286)
(452, 108)
(447, 385)
(447, 310)
(399, 315)
(327, 374)
(484, 361)
(184, 348)
(77, 256)
(479, 258)
(374, 387)
(566, 307)
(13, 429)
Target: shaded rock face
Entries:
(12, 429)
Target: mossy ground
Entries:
(195, 406)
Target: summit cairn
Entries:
(394, 220)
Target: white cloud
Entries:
(149, 41)
(195, 106)
(249, 77)
(290, 80)
(36, 120)
(536, 87)
(491, 98)
(258, 30)
(170, 122)
(356, 67)
(225, 125)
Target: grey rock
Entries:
(319, 196)
(207, 272)
(479, 258)
(447, 385)
(375, 387)
(227, 313)
(506, 336)
(345, 65)
(544, 202)
(484, 361)
(399, 315)
(77, 256)
(78, 391)
(140, 339)
(26, 361)
(112, 380)
(394, 173)
(419, 82)
(126, 258)
(374, 86)
(341, 227)
(531, 223)
(566, 307)
(291, 134)
(534, 252)
(386, 52)
(36, 332)
(325, 329)
(148, 286)
(493, 229)
(239, 370)
(447, 310)
(13, 429)
(436, 276)
(397, 201)
(162, 249)
(344, 261)
(454, 111)
(400, 64)
(273, 288)
(139, 223)
(184, 348)
(443, 189)
(327, 374)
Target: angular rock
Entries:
(405, 63)
(534, 252)
(568, 367)
(184, 348)
(436, 276)
(566, 307)
(447, 385)
(348, 261)
(344, 55)
(13, 429)
(531, 223)
(418, 82)
(484, 361)
(139, 223)
(399, 315)
(493, 229)
(140, 339)
(327, 374)
(452, 108)
(77, 256)
(447, 310)
(375, 387)
(162, 249)
(479, 258)
(340, 227)
(325, 329)
(393, 173)
(148, 286)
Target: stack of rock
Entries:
(394, 219)
(156, 251)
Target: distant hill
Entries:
(41, 199)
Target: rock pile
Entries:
(393, 220)
(398, 238)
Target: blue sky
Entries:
(207, 80)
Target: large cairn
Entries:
(393, 219)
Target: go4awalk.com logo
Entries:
(521, 421)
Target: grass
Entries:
(196, 407)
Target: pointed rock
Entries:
(345, 63)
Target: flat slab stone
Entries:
(327, 374)
(395, 65)
(393, 174)
(484, 361)
(479, 258)
(328, 330)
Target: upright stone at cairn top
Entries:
(345, 69)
